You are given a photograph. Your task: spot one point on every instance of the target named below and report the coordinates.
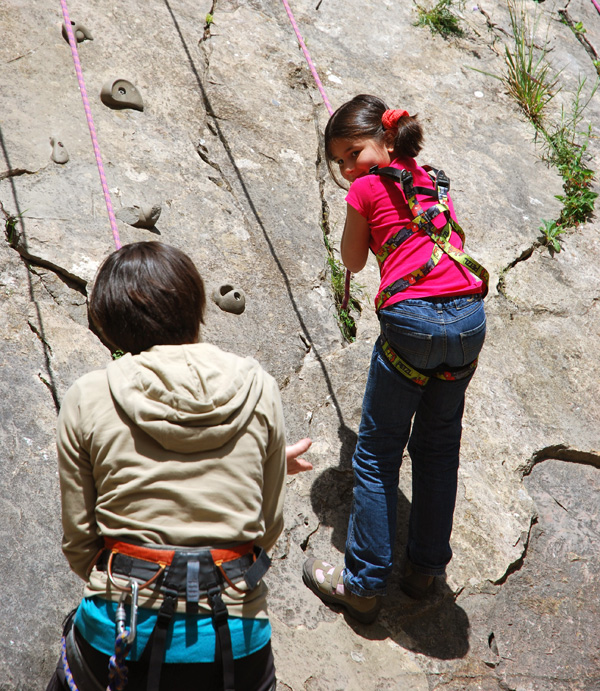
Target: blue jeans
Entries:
(427, 333)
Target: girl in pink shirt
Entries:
(430, 307)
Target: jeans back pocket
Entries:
(472, 341)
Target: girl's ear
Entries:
(389, 140)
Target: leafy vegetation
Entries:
(529, 77)
(565, 148)
(10, 228)
(337, 273)
(531, 80)
(440, 19)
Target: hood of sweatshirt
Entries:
(188, 398)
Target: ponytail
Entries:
(368, 117)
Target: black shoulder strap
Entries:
(404, 178)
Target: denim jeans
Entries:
(427, 333)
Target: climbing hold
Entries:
(59, 153)
(139, 216)
(79, 31)
(230, 299)
(121, 94)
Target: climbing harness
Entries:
(422, 221)
(173, 573)
(189, 573)
(88, 113)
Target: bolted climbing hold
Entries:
(79, 31)
(59, 153)
(139, 216)
(120, 93)
(229, 298)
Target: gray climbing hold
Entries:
(229, 298)
(139, 216)
(59, 153)
(79, 31)
(120, 93)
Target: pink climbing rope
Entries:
(596, 5)
(315, 74)
(311, 64)
(90, 121)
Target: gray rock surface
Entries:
(228, 146)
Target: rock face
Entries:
(229, 146)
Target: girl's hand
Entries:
(354, 246)
(294, 464)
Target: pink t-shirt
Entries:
(382, 202)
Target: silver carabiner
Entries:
(135, 587)
(121, 615)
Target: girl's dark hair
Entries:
(147, 294)
(360, 118)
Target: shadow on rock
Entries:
(331, 491)
(437, 627)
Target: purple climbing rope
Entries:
(315, 74)
(90, 121)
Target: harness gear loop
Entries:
(219, 565)
(128, 588)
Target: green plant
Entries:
(10, 228)
(529, 77)
(550, 231)
(565, 148)
(209, 19)
(440, 19)
(338, 285)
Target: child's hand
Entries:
(294, 464)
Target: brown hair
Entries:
(147, 294)
(360, 118)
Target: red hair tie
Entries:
(390, 118)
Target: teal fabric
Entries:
(191, 637)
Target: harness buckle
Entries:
(442, 184)
(121, 615)
(406, 178)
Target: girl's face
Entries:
(356, 156)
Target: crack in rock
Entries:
(304, 544)
(580, 36)
(208, 23)
(72, 285)
(560, 452)
(15, 172)
(78, 283)
(222, 180)
(524, 256)
(39, 334)
(518, 564)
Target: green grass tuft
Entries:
(440, 19)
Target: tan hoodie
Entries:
(179, 445)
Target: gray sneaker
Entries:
(325, 581)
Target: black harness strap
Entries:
(193, 574)
(158, 639)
